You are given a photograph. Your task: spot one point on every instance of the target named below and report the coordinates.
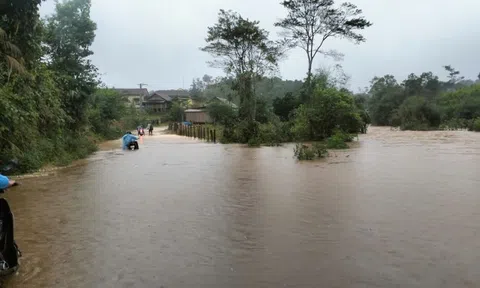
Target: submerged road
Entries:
(400, 209)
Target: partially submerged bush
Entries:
(305, 152)
(339, 140)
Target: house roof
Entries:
(194, 110)
(157, 97)
(132, 91)
(169, 95)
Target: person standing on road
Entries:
(150, 129)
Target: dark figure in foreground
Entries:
(9, 252)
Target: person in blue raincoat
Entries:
(127, 139)
(5, 182)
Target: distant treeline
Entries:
(423, 102)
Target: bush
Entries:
(339, 140)
(476, 125)
(304, 152)
(416, 113)
(221, 113)
(336, 142)
(329, 109)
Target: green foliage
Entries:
(337, 141)
(285, 106)
(309, 23)
(424, 102)
(105, 109)
(243, 49)
(10, 56)
(476, 125)
(328, 110)
(221, 113)
(416, 113)
(274, 132)
(54, 112)
(69, 34)
(305, 152)
(176, 113)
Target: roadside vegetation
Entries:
(53, 107)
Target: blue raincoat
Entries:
(4, 181)
(127, 139)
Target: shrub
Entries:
(304, 152)
(336, 142)
(476, 125)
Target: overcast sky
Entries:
(157, 41)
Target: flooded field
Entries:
(401, 209)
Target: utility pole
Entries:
(141, 87)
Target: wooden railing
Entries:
(195, 131)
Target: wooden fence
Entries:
(195, 131)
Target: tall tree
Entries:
(453, 76)
(207, 79)
(243, 49)
(70, 33)
(309, 23)
(196, 89)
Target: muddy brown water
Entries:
(401, 209)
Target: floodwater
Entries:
(400, 209)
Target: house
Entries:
(134, 96)
(199, 116)
(160, 101)
(157, 102)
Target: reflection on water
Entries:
(399, 210)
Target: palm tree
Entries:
(10, 54)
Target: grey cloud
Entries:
(157, 41)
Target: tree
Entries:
(176, 113)
(426, 85)
(70, 33)
(416, 113)
(196, 89)
(21, 22)
(283, 107)
(453, 75)
(10, 55)
(329, 109)
(386, 96)
(243, 49)
(221, 113)
(309, 23)
(207, 79)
